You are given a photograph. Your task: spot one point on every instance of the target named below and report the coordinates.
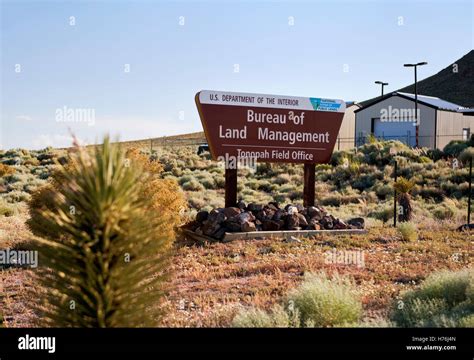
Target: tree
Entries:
(103, 247)
(403, 187)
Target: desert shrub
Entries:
(445, 210)
(220, 181)
(317, 302)
(265, 185)
(410, 169)
(196, 202)
(363, 182)
(467, 155)
(425, 160)
(338, 200)
(384, 214)
(208, 182)
(111, 252)
(264, 169)
(408, 231)
(455, 147)
(430, 192)
(323, 167)
(16, 196)
(343, 157)
(324, 302)
(192, 185)
(295, 195)
(6, 209)
(383, 191)
(444, 299)
(257, 318)
(6, 170)
(342, 175)
(282, 179)
(435, 154)
(459, 176)
(12, 161)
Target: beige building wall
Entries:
(363, 121)
(345, 138)
(450, 126)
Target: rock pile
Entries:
(256, 217)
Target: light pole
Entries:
(382, 85)
(416, 98)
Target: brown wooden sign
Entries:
(270, 128)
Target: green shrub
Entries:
(282, 179)
(445, 210)
(192, 185)
(324, 302)
(408, 231)
(317, 302)
(455, 147)
(443, 300)
(385, 214)
(105, 252)
(425, 160)
(430, 192)
(467, 155)
(257, 318)
(383, 191)
(6, 209)
(16, 196)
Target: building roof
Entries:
(430, 101)
(352, 103)
(434, 101)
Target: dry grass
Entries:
(211, 282)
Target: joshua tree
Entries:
(403, 187)
(102, 251)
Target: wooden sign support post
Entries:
(309, 183)
(230, 187)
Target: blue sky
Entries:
(334, 49)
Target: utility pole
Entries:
(416, 99)
(382, 85)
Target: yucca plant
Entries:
(102, 251)
(403, 187)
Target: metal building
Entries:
(392, 117)
(345, 138)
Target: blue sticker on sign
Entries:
(324, 104)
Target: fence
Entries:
(438, 141)
(341, 143)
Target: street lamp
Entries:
(383, 84)
(416, 98)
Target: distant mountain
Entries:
(456, 87)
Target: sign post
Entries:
(269, 128)
(230, 187)
(309, 182)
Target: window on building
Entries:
(466, 132)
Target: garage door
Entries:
(391, 130)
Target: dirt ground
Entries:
(210, 282)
